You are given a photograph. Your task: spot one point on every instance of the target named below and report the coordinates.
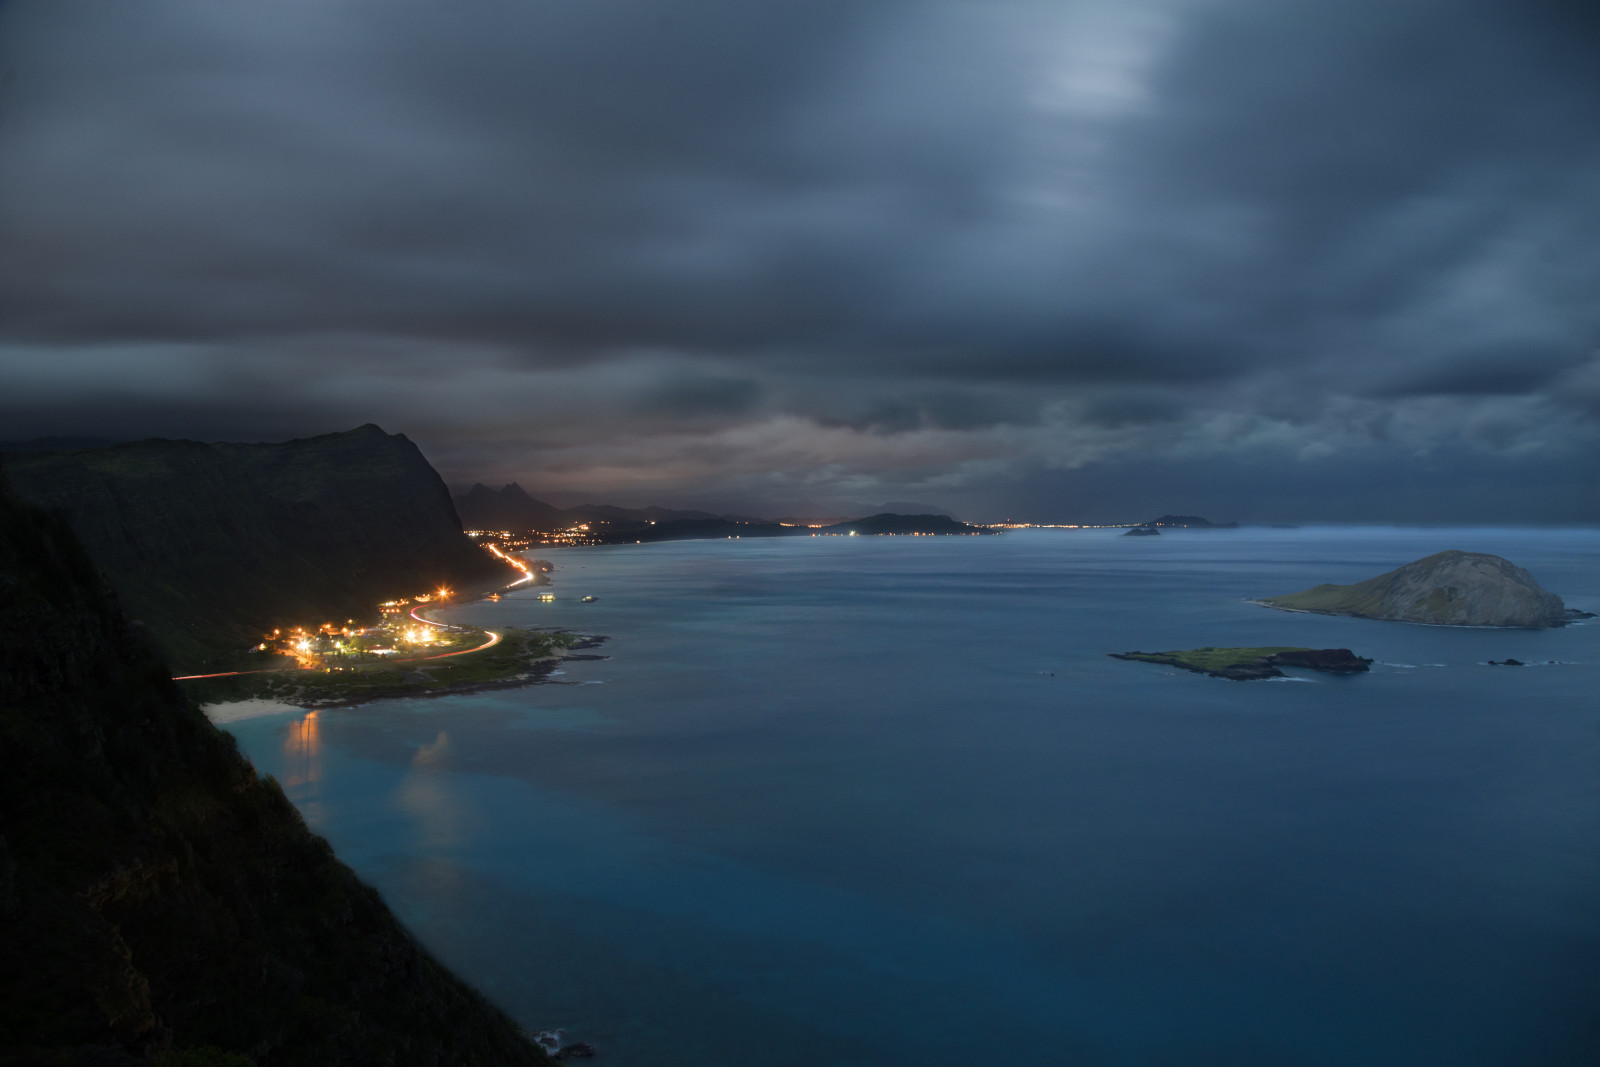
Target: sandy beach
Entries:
(253, 708)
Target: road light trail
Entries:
(527, 572)
(430, 622)
(230, 674)
(494, 639)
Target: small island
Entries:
(1190, 522)
(1446, 589)
(1252, 664)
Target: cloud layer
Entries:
(1034, 258)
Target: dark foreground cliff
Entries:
(156, 896)
(210, 544)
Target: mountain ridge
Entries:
(511, 508)
(209, 545)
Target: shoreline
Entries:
(420, 682)
(538, 673)
(1571, 620)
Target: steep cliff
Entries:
(1448, 588)
(208, 544)
(155, 894)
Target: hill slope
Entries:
(209, 544)
(1448, 588)
(154, 892)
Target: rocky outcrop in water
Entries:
(1447, 589)
(156, 896)
(1254, 664)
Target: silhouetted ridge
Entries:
(511, 508)
(209, 544)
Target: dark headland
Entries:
(1446, 589)
(208, 545)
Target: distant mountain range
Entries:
(511, 508)
(694, 529)
(1191, 522)
(209, 544)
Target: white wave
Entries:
(247, 709)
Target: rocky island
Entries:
(1251, 664)
(1445, 589)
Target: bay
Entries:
(888, 801)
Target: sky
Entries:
(1262, 260)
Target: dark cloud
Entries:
(1128, 408)
(1499, 371)
(703, 395)
(840, 249)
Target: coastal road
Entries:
(527, 571)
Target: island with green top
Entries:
(1249, 664)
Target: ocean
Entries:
(888, 801)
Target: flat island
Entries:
(1249, 664)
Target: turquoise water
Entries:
(887, 801)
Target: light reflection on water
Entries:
(302, 754)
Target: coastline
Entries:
(538, 673)
(415, 677)
(1571, 620)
